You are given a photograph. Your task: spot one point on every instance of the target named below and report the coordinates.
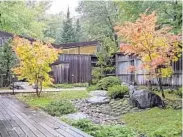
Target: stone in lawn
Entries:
(98, 100)
(144, 99)
(20, 85)
(77, 116)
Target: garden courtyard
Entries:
(114, 118)
(91, 68)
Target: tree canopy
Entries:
(34, 61)
(156, 48)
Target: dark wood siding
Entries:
(78, 69)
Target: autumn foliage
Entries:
(34, 61)
(156, 48)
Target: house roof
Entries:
(63, 46)
(76, 44)
(7, 34)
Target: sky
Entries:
(62, 5)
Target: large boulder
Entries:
(20, 85)
(98, 97)
(101, 93)
(144, 98)
(98, 100)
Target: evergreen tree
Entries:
(68, 33)
(78, 30)
(7, 61)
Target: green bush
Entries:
(103, 130)
(106, 82)
(58, 108)
(117, 91)
(96, 75)
(179, 92)
(91, 88)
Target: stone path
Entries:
(7, 91)
(17, 120)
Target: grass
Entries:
(97, 130)
(4, 88)
(156, 122)
(46, 97)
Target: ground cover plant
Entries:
(60, 107)
(156, 122)
(48, 97)
(101, 130)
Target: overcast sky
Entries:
(62, 5)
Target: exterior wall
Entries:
(89, 50)
(140, 77)
(76, 70)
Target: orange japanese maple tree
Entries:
(156, 48)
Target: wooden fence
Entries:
(72, 69)
(140, 77)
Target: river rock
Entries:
(101, 93)
(98, 100)
(144, 99)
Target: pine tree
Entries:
(78, 30)
(68, 33)
(7, 61)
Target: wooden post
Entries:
(116, 62)
(135, 73)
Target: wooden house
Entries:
(75, 63)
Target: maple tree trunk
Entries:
(37, 89)
(149, 85)
(41, 87)
(161, 87)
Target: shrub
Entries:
(91, 88)
(103, 130)
(58, 108)
(179, 92)
(117, 91)
(96, 75)
(106, 82)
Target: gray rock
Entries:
(98, 100)
(20, 85)
(77, 116)
(144, 99)
(101, 93)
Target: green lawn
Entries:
(156, 122)
(47, 97)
